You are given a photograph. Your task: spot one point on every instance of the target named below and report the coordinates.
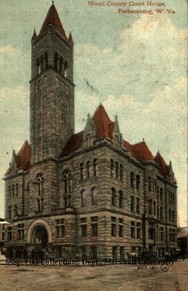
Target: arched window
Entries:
(56, 59)
(61, 65)
(112, 168)
(13, 190)
(10, 212)
(161, 212)
(149, 183)
(38, 66)
(170, 215)
(120, 199)
(94, 196)
(150, 206)
(83, 198)
(15, 209)
(113, 197)
(173, 216)
(88, 169)
(40, 184)
(154, 208)
(161, 195)
(9, 191)
(137, 182)
(95, 168)
(40, 188)
(121, 172)
(117, 170)
(82, 171)
(45, 60)
(67, 179)
(16, 189)
(66, 67)
(41, 64)
(132, 179)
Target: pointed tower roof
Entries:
(70, 39)
(24, 156)
(104, 126)
(116, 125)
(13, 159)
(34, 35)
(52, 17)
(162, 164)
(90, 125)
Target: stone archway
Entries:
(40, 236)
(39, 233)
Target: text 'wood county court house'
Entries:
(90, 194)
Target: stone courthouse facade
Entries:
(90, 194)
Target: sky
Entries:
(134, 64)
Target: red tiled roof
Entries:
(74, 143)
(139, 151)
(52, 17)
(162, 164)
(142, 152)
(24, 156)
(128, 146)
(104, 126)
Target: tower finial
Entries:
(52, 2)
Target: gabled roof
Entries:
(22, 159)
(104, 126)
(24, 156)
(162, 164)
(74, 143)
(52, 17)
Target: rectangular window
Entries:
(84, 230)
(137, 205)
(20, 229)
(120, 227)
(60, 228)
(132, 229)
(113, 226)
(138, 226)
(132, 203)
(94, 226)
(162, 234)
(161, 212)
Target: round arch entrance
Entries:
(40, 236)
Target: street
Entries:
(94, 278)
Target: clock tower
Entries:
(52, 89)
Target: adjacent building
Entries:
(89, 194)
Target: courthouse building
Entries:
(88, 194)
